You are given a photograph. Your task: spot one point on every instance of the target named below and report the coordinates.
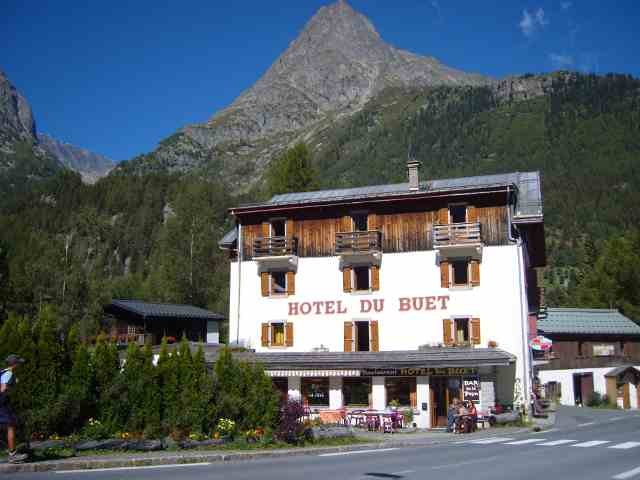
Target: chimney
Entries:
(414, 180)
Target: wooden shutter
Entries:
(475, 331)
(443, 216)
(375, 341)
(375, 278)
(372, 222)
(288, 334)
(264, 284)
(445, 280)
(475, 273)
(266, 229)
(413, 394)
(291, 283)
(346, 279)
(348, 336)
(265, 335)
(345, 224)
(472, 214)
(447, 331)
(289, 228)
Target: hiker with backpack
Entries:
(7, 417)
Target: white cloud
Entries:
(561, 62)
(566, 5)
(533, 21)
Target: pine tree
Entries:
(107, 372)
(292, 172)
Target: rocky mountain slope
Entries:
(27, 157)
(22, 160)
(91, 166)
(333, 68)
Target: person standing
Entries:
(7, 417)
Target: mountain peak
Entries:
(335, 65)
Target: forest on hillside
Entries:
(154, 236)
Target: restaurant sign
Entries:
(418, 372)
(471, 388)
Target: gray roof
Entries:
(587, 321)
(435, 357)
(527, 184)
(161, 310)
(229, 239)
(618, 370)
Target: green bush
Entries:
(65, 388)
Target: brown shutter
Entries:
(375, 339)
(288, 334)
(443, 216)
(445, 281)
(289, 227)
(375, 278)
(265, 335)
(475, 331)
(264, 284)
(475, 273)
(266, 229)
(291, 283)
(348, 336)
(413, 394)
(372, 222)
(346, 279)
(447, 327)
(472, 214)
(345, 224)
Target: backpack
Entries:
(4, 396)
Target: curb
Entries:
(204, 456)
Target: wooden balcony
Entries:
(358, 242)
(458, 239)
(359, 248)
(275, 247)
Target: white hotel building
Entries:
(409, 294)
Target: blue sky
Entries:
(117, 77)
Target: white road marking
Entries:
(586, 424)
(556, 442)
(524, 442)
(626, 445)
(627, 474)
(375, 450)
(616, 418)
(402, 472)
(592, 443)
(486, 441)
(144, 467)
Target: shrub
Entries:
(594, 399)
(290, 427)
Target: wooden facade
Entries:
(577, 351)
(402, 231)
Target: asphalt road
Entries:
(584, 444)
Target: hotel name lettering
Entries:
(402, 304)
(418, 372)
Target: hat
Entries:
(14, 359)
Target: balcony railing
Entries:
(275, 246)
(456, 234)
(358, 242)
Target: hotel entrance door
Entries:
(443, 391)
